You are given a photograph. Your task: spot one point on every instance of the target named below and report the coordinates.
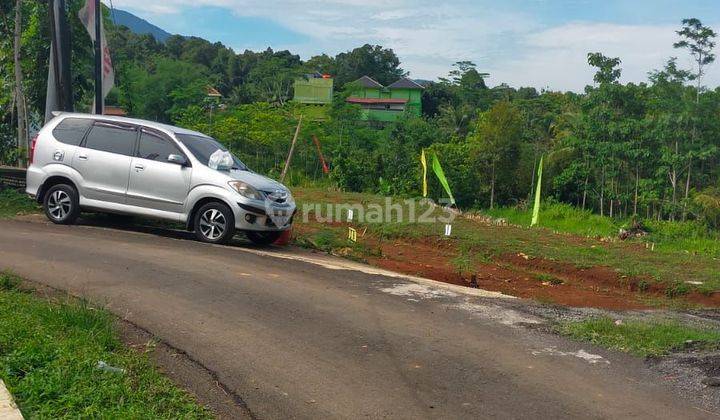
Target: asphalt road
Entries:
(300, 340)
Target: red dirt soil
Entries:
(517, 275)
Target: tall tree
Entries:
(497, 139)
(22, 124)
(699, 40)
(369, 60)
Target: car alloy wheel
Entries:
(59, 204)
(212, 224)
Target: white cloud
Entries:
(429, 36)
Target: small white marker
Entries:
(350, 215)
(448, 230)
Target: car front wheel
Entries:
(214, 223)
(61, 204)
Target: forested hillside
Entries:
(618, 149)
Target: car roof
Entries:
(136, 121)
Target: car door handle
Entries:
(139, 167)
(82, 157)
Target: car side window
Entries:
(71, 130)
(155, 147)
(113, 138)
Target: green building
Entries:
(381, 103)
(314, 89)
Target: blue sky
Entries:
(540, 43)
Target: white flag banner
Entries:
(87, 17)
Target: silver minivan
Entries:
(142, 168)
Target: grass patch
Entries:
(639, 338)
(549, 278)
(49, 353)
(13, 203)
(562, 217)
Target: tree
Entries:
(607, 68)
(497, 139)
(22, 127)
(369, 60)
(700, 41)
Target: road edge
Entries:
(8, 408)
(333, 262)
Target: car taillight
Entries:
(32, 149)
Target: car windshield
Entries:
(202, 147)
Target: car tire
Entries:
(214, 223)
(263, 238)
(61, 204)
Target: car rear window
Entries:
(71, 130)
(113, 138)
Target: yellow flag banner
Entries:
(536, 207)
(424, 165)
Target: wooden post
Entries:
(292, 150)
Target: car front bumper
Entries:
(263, 216)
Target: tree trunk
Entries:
(22, 131)
(602, 192)
(492, 187)
(673, 181)
(637, 184)
(687, 190)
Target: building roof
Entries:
(376, 101)
(368, 82)
(114, 110)
(405, 83)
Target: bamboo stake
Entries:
(292, 150)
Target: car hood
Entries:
(257, 181)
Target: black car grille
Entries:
(276, 196)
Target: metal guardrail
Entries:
(11, 177)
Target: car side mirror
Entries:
(179, 159)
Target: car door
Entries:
(156, 183)
(103, 160)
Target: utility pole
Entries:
(59, 87)
(98, 61)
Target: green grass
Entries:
(690, 237)
(563, 218)
(13, 203)
(49, 353)
(653, 338)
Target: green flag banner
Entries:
(536, 207)
(441, 176)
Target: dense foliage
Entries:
(647, 149)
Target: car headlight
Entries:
(246, 190)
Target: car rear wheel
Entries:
(263, 238)
(214, 223)
(61, 204)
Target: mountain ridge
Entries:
(139, 25)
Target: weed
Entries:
(652, 338)
(13, 203)
(49, 353)
(548, 278)
(8, 280)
